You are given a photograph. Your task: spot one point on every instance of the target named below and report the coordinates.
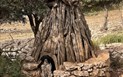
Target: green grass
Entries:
(108, 39)
(111, 38)
(95, 44)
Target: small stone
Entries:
(85, 67)
(100, 65)
(30, 66)
(79, 69)
(72, 76)
(86, 73)
(29, 59)
(3, 54)
(103, 69)
(66, 74)
(24, 51)
(22, 56)
(14, 53)
(35, 73)
(19, 52)
(4, 49)
(101, 73)
(8, 49)
(80, 64)
(105, 65)
(95, 72)
(9, 53)
(70, 66)
(78, 73)
(58, 73)
(90, 70)
(15, 49)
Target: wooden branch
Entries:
(31, 20)
(106, 17)
(37, 22)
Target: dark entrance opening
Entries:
(50, 61)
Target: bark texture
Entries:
(64, 34)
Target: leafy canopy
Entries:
(13, 10)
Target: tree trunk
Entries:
(64, 34)
(34, 22)
(104, 28)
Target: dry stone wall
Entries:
(95, 68)
(15, 48)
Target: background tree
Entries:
(14, 10)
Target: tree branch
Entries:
(31, 23)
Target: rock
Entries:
(81, 73)
(80, 64)
(86, 67)
(102, 73)
(14, 53)
(24, 50)
(66, 74)
(30, 66)
(29, 59)
(72, 76)
(70, 66)
(35, 73)
(3, 54)
(79, 69)
(22, 56)
(90, 70)
(95, 72)
(58, 73)
(103, 69)
(86, 73)
(19, 52)
(15, 49)
(78, 73)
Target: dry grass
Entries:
(7, 36)
(95, 21)
(24, 31)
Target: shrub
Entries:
(10, 68)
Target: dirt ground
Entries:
(19, 30)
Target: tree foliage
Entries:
(14, 10)
(9, 68)
(89, 5)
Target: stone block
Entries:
(30, 66)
